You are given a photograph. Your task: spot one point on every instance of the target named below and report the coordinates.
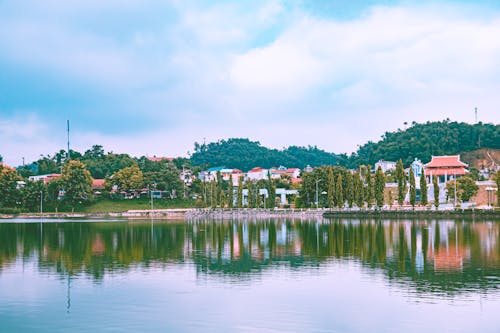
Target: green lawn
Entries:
(116, 206)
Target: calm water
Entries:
(247, 276)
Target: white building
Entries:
(385, 165)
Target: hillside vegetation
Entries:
(245, 154)
(418, 141)
(424, 140)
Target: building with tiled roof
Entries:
(445, 168)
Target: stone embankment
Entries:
(254, 213)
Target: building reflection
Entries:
(442, 255)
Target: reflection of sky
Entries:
(339, 297)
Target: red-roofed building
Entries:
(445, 168)
(45, 178)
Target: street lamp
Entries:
(317, 181)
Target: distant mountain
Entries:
(244, 154)
(424, 140)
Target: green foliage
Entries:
(370, 188)
(401, 179)
(76, 182)
(465, 187)
(245, 154)
(349, 189)
(497, 180)
(379, 187)
(31, 193)
(331, 188)
(413, 190)
(251, 194)
(10, 195)
(240, 192)
(423, 190)
(435, 186)
(339, 191)
(129, 178)
(468, 188)
(271, 190)
(230, 196)
(425, 140)
(358, 189)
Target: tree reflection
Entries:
(433, 256)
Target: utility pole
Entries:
(67, 123)
(41, 203)
(317, 181)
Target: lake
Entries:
(339, 275)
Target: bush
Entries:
(11, 211)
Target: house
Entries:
(385, 165)
(445, 168)
(210, 174)
(45, 178)
(257, 173)
(97, 186)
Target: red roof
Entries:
(98, 184)
(446, 171)
(256, 169)
(446, 161)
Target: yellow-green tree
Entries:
(76, 182)
(129, 178)
(9, 194)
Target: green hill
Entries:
(245, 154)
(418, 141)
(424, 140)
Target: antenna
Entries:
(67, 122)
(475, 111)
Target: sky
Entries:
(151, 77)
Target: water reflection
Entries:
(444, 257)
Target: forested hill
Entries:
(244, 154)
(418, 141)
(424, 140)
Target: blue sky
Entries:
(151, 77)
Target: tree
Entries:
(468, 188)
(251, 194)
(423, 190)
(435, 186)
(413, 190)
(271, 191)
(369, 189)
(10, 195)
(32, 193)
(401, 179)
(349, 190)
(379, 187)
(497, 180)
(76, 182)
(465, 188)
(358, 190)
(339, 192)
(230, 196)
(129, 178)
(240, 192)
(331, 188)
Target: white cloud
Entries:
(271, 73)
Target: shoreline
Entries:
(259, 213)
